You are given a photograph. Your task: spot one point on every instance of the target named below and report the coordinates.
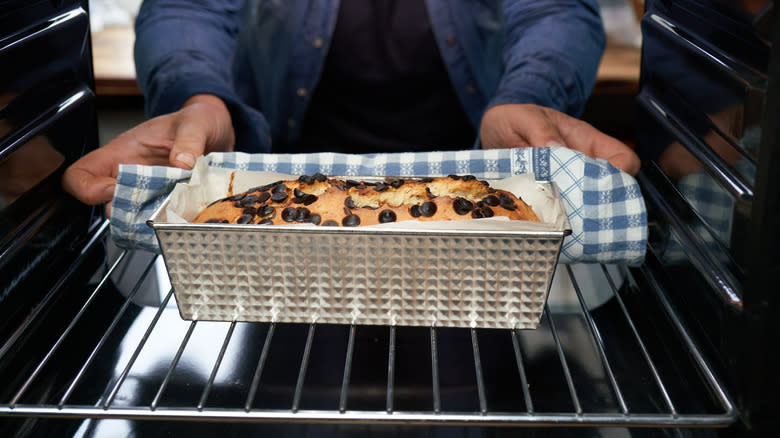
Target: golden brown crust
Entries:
(322, 201)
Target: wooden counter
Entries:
(619, 70)
(112, 51)
(112, 57)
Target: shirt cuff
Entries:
(535, 89)
(175, 91)
(251, 128)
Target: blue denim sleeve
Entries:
(551, 54)
(186, 47)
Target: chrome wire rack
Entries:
(600, 359)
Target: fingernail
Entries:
(186, 158)
(108, 192)
(553, 144)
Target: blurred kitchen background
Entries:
(120, 104)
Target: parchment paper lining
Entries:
(208, 184)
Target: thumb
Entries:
(88, 188)
(189, 143)
(626, 161)
(584, 138)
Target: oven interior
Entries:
(91, 342)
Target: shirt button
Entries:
(317, 42)
(291, 123)
(470, 89)
(302, 92)
(451, 40)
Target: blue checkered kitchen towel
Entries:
(605, 206)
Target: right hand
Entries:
(202, 125)
(527, 125)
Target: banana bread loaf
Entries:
(320, 200)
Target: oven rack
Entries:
(582, 367)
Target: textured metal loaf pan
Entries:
(448, 278)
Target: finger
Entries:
(541, 130)
(189, 143)
(501, 135)
(627, 162)
(583, 137)
(506, 141)
(92, 178)
(87, 187)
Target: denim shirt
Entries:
(264, 57)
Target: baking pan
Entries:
(495, 278)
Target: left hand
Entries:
(526, 125)
(202, 125)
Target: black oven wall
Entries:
(47, 121)
(707, 135)
(760, 357)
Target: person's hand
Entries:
(524, 125)
(202, 125)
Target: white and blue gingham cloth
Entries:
(604, 205)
